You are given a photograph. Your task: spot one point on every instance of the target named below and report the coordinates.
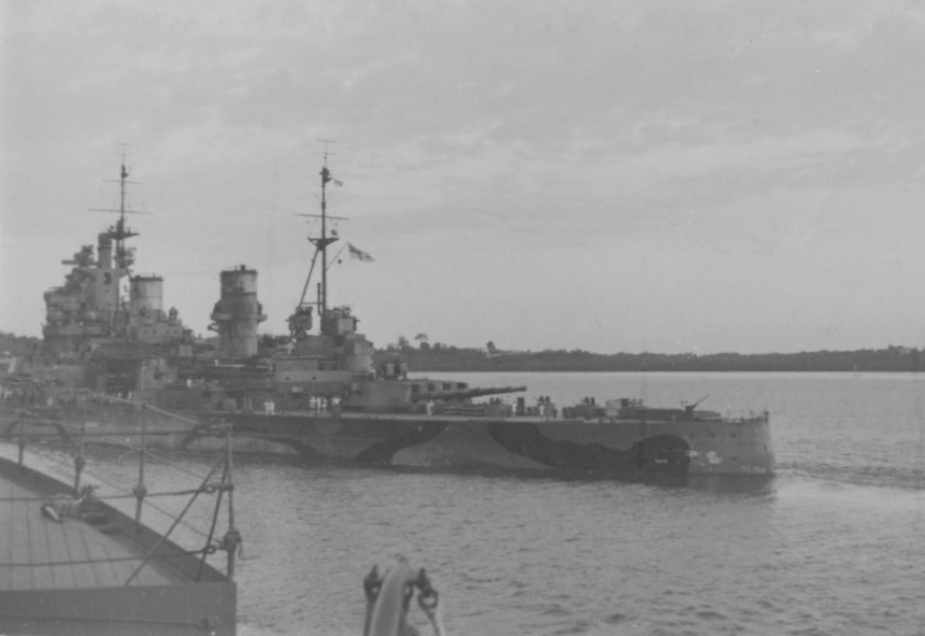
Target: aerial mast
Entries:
(321, 242)
(120, 231)
(300, 322)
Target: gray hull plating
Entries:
(603, 446)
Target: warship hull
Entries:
(124, 371)
(602, 447)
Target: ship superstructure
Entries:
(327, 362)
(91, 321)
(317, 393)
(324, 361)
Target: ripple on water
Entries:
(834, 549)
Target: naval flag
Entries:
(359, 254)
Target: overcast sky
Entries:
(611, 176)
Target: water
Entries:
(836, 547)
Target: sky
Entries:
(613, 176)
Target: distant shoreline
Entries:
(446, 358)
(449, 359)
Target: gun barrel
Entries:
(464, 394)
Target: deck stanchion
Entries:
(79, 462)
(232, 539)
(140, 490)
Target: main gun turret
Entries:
(465, 394)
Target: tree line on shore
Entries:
(442, 357)
(448, 358)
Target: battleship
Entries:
(122, 368)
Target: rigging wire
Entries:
(121, 492)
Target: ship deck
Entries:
(751, 418)
(79, 578)
(37, 553)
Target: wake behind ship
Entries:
(109, 364)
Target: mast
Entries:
(321, 243)
(120, 231)
(300, 322)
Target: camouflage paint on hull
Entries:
(603, 447)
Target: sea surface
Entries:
(835, 545)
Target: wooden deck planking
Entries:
(27, 537)
(6, 535)
(117, 572)
(21, 576)
(43, 577)
(102, 572)
(84, 574)
(103, 568)
(149, 574)
(58, 553)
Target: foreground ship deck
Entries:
(99, 573)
